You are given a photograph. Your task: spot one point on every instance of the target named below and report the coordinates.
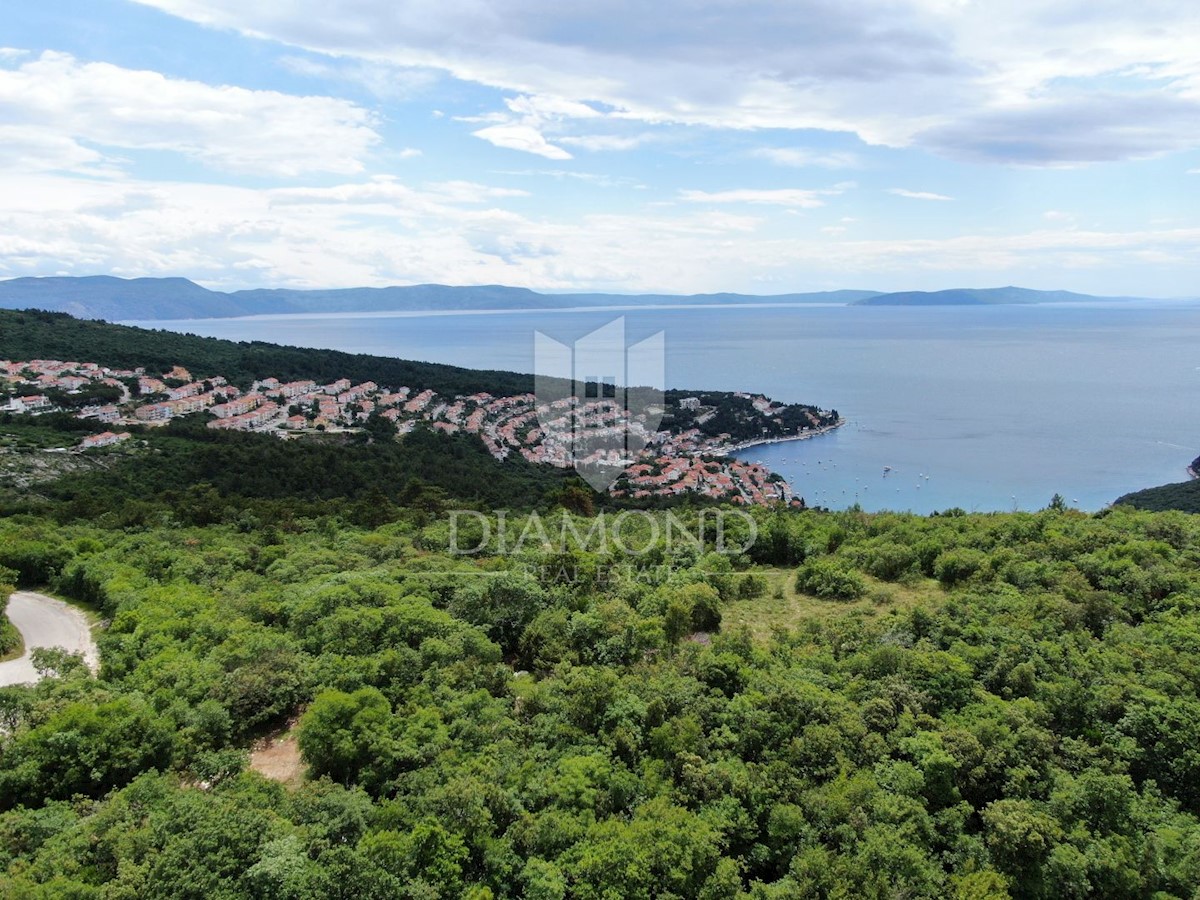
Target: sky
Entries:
(756, 146)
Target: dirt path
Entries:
(278, 758)
(46, 622)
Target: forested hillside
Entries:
(974, 706)
(31, 334)
(221, 475)
(1183, 495)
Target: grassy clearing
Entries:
(763, 615)
(30, 438)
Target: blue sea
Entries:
(984, 408)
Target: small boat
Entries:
(886, 469)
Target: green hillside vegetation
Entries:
(725, 412)
(10, 639)
(1184, 495)
(205, 476)
(32, 334)
(972, 706)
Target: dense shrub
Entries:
(830, 578)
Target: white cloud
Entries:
(519, 136)
(386, 195)
(917, 195)
(975, 80)
(386, 81)
(1193, 171)
(543, 107)
(28, 148)
(382, 231)
(607, 181)
(1073, 128)
(793, 197)
(59, 102)
(528, 117)
(801, 157)
(601, 142)
(470, 192)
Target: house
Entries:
(102, 413)
(419, 402)
(237, 407)
(104, 439)
(189, 404)
(187, 390)
(296, 389)
(358, 391)
(154, 412)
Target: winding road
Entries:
(46, 622)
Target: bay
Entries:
(983, 408)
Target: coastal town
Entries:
(655, 463)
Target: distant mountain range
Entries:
(120, 299)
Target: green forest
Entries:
(34, 334)
(1183, 495)
(973, 706)
(358, 667)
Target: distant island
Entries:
(1002, 296)
(134, 299)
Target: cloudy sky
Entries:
(761, 146)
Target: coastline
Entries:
(746, 445)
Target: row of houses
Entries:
(545, 434)
(256, 418)
(169, 409)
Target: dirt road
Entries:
(46, 622)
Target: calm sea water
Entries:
(986, 408)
